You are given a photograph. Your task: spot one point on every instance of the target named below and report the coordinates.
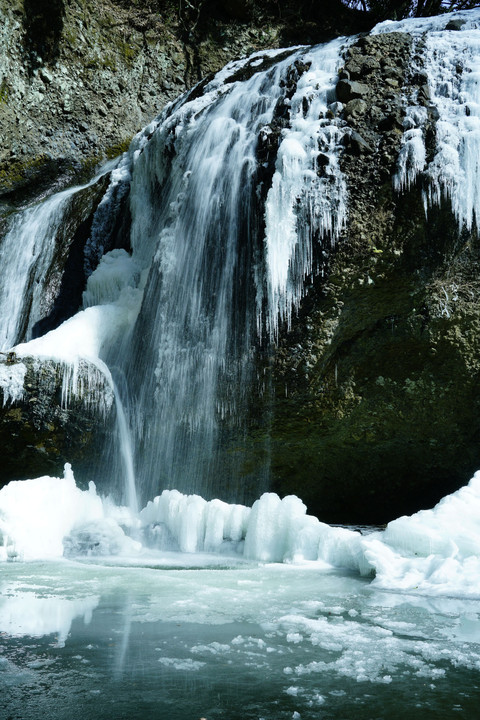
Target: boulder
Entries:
(350, 89)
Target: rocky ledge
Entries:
(50, 414)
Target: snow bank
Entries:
(88, 333)
(37, 515)
(436, 551)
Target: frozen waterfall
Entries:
(452, 68)
(175, 603)
(213, 267)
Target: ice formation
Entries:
(205, 278)
(38, 516)
(179, 288)
(434, 551)
(26, 253)
(12, 377)
(200, 281)
(289, 243)
(452, 66)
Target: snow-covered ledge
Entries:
(50, 411)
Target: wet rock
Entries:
(455, 24)
(355, 109)
(356, 143)
(393, 121)
(46, 76)
(350, 89)
(424, 95)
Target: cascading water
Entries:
(176, 323)
(211, 286)
(26, 254)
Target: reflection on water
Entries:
(101, 642)
(27, 614)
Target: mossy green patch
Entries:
(115, 150)
(18, 172)
(4, 91)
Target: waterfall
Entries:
(213, 285)
(234, 191)
(27, 255)
(220, 233)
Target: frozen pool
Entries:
(252, 641)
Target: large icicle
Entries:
(302, 205)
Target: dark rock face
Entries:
(41, 429)
(66, 277)
(376, 404)
(350, 89)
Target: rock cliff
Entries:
(376, 403)
(78, 79)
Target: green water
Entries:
(98, 642)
